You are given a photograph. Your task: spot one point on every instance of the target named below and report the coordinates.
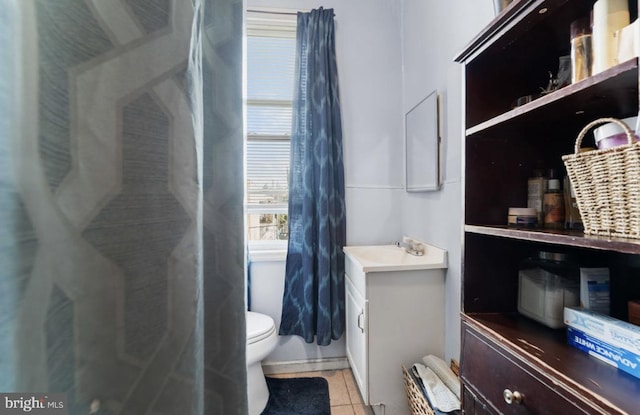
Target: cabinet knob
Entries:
(514, 397)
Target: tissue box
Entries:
(616, 332)
(615, 356)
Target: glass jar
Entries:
(581, 53)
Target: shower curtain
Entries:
(121, 249)
(313, 303)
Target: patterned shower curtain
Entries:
(313, 303)
(121, 250)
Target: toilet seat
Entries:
(259, 327)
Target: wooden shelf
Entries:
(548, 349)
(507, 26)
(589, 98)
(560, 237)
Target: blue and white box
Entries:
(616, 332)
(594, 289)
(615, 356)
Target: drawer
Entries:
(473, 405)
(489, 369)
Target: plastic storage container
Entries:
(547, 284)
(612, 135)
(526, 217)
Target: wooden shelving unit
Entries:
(510, 58)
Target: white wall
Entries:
(370, 75)
(391, 54)
(433, 33)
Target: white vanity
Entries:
(394, 316)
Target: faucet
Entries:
(411, 246)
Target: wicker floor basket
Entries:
(607, 185)
(418, 404)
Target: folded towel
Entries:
(437, 392)
(418, 382)
(443, 371)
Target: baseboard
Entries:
(299, 366)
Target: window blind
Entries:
(270, 67)
(267, 176)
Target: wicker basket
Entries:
(418, 405)
(607, 185)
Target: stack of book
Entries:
(613, 341)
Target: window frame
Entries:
(266, 22)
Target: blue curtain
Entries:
(313, 303)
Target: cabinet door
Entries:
(357, 334)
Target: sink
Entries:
(378, 258)
(381, 254)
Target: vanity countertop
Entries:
(382, 258)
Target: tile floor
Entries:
(343, 392)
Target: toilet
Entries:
(262, 338)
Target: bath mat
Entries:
(298, 396)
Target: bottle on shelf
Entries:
(553, 205)
(581, 52)
(536, 187)
(609, 16)
(572, 219)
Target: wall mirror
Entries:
(422, 146)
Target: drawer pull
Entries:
(514, 397)
(361, 321)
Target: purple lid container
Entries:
(612, 135)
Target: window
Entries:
(271, 46)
